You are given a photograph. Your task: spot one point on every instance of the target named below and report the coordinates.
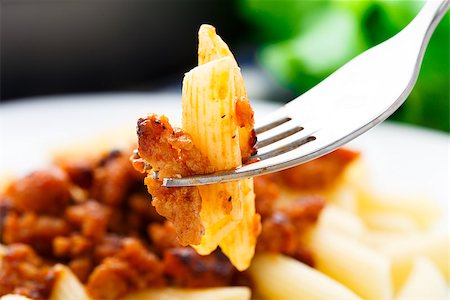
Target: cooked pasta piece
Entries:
(403, 251)
(14, 297)
(67, 286)
(424, 282)
(221, 293)
(280, 277)
(209, 116)
(343, 221)
(422, 210)
(208, 112)
(353, 264)
(390, 222)
(212, 47)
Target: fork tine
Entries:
(283, 149)
(271, 124)
(279, 136)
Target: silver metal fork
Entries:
(355, 98)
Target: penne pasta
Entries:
(343, 221)
(422, 210)
(424, 282)
(208, 94)
(67, 286)
(353, 264)
(217, 115)
(390, 222)
(239, 244)
(403, 251)
(14, 297)
(220, 293)
(280, 277)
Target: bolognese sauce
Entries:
(95, 216)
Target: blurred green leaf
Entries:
(302, 42)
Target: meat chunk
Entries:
(108, 246)
(40, 192)
(282, 230)
(182, 207)
(278, 235)
(71, 246)
(163, 236)
(80, 172)
(171, 152)
(245, 121)
(317, 174)
(186, 268)
(81, 267)
(132, 268)
(91, 217)
(37, 231)
(113, 178)
(23, 272)
(266, 194)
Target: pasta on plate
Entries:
(88, 228)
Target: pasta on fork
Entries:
(89, 229)
(217, 121)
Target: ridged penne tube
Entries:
(209, 117)
(280, 277)
(390, 222)
(422, 210)
(14, 297)
(403, 251)
(424, 282)
(343, 221)
(239, 244)
(67, 286)
(353, 264)
(221, 293)
(211, 47)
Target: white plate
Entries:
(402, 159)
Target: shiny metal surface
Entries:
(355, 98)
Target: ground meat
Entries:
(23, 272)
(141, 205)
(186, 268)
(305, 209)
(277, 235)
(113, 179)
(80, 171)
(81, 267)
(108, 246)
(266, 194)
(182, 207)
(91, 217)
(245, 121)
(114, 240)
(282, 230)
(132, 268)
(317, 174)
(35, 230)
(40, 192)
(109, 280)
(163, 236)
(71, 246)
(171, 152)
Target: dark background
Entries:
(69, 46)
(58, 47)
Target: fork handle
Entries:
(428, 18)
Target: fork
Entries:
(355, 98)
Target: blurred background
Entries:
(284, 47)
